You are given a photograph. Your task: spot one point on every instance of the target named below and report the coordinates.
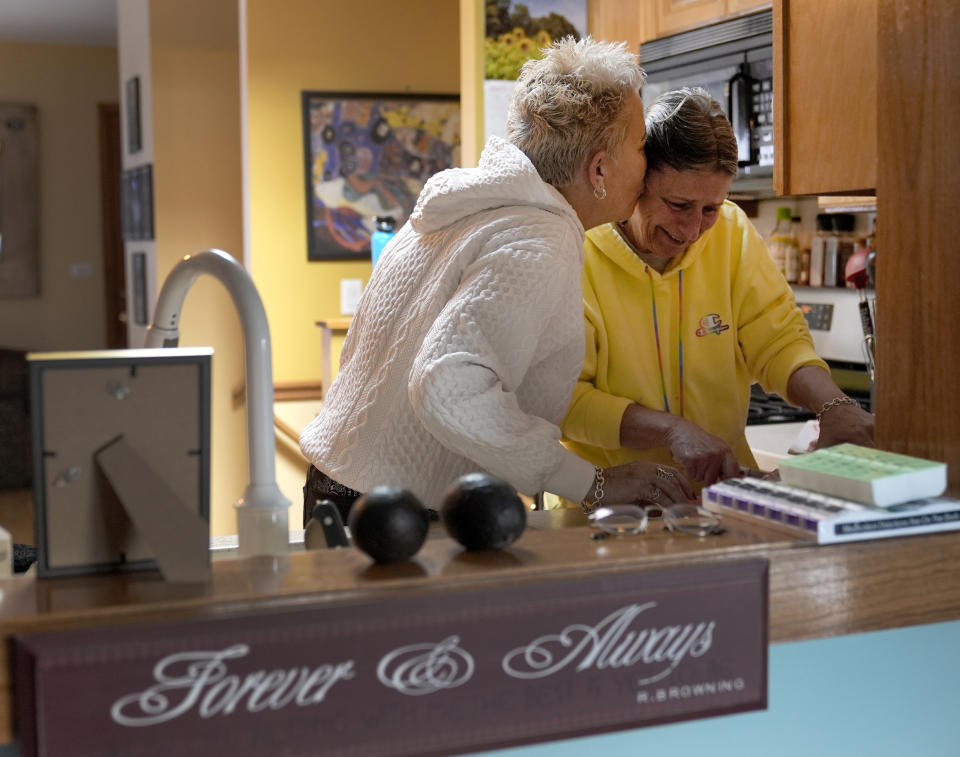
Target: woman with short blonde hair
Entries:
(468, 340)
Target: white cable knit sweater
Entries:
(466, 344)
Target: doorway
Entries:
(114, 268)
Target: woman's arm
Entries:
(813, 388)
(608, 421)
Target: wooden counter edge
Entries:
(816, 591)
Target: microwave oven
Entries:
(733, 61)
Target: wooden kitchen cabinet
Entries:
(620, 20)
(674, 16)
(825, 96)
(668, 17)
(638, 21)
(735, 7)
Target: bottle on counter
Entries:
(843, 225)
(803, 276)
(830, 256)
(818, 245)
(385, 230)
(783, 241)
(792, 267)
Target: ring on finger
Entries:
(664, 473)
(655, 494)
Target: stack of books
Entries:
(846, 493)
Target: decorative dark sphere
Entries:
(483, 512)
(388, 523)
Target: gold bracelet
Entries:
(836, 403)
(598, 482)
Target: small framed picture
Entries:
(134, 140)
(137, 189)
(139, 274)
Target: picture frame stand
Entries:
(178, 537)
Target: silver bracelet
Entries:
(836, 403)
(586, 505)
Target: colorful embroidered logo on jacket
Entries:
(711, 324)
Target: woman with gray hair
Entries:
(468, 340)
(685, 309)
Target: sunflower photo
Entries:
(515, 33)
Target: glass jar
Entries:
(783, 241)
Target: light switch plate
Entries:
(81, 270)
(350, 291)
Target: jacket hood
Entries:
(609, 240)
(505, 177)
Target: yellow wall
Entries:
(198, 194)
(296, 45)
(65, 82)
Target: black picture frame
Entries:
(138, 272)
(368, 154)
(134, 135)
(137, 196)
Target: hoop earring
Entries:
(601, 193)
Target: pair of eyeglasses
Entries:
(692, 519)
(626, 520)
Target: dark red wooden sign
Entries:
(440, 673)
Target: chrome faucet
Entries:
(262, 511)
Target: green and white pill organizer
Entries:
(866, 475)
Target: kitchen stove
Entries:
(833, 316)
(767, 407)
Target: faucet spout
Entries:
(262, 526)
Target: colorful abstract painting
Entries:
(370, 155)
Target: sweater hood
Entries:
(505, 177)
(610, 242)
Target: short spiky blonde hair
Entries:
(568, 104)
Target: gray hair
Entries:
(569, 104)
(688, 130)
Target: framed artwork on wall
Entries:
(132, 95)
(138, 271)
(19, 200)
(369, 155)
(137, 190)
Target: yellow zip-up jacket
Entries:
(740, 324)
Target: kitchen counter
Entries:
(815, 591)
(769, 442)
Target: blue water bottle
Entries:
(385, 230)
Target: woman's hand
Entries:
(814, 388)
(642, 480)
(845, 423)
(703, 456)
